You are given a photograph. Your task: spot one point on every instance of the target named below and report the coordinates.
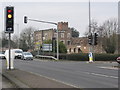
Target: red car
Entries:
(118, 60)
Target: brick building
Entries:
(64, 34)
(74, 45)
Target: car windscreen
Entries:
(27, 53)
(2, 52)
(18, 51)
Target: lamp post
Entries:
(90, 33)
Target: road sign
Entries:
(47, 47)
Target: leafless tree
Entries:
(107, 33)
(94, 27)
(15, 38)
(26, 37)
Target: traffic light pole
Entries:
(25, 21)
(9, 24)
(9, 43)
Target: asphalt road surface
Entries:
(77, 74)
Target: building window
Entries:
(55, 35)
(79, 50)
(74, 50)
(46, 34)
(62, 35)
(36, 36)
(68, 42)
(39, 36)
(70, 50)
(68, 35)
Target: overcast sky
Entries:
(75, 13)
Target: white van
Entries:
(18, 53)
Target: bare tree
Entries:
(15, 38)
(110, 27)
(94, 27)
(107, 34)
(26, 38)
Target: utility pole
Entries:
(9, 43)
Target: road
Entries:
(77, 74)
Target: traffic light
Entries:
(9, 16)
(95, 38)
(90, 39)
(25, 19)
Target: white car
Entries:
(18, 53)
(2, 54)
(27, 56)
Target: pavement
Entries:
(6, 83)
(23, 79)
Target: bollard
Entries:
(11, 63)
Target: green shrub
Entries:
(106, 57)
(84, 57)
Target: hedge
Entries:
(84, 57)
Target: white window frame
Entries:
(68, 35)
(62, 35)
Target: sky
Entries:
(75, 13)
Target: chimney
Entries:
(62, 25)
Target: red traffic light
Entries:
(9, 11)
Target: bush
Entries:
(82, 56)
(106, 57)
(74, 57)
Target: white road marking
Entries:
(113, 68)
(102, 75)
